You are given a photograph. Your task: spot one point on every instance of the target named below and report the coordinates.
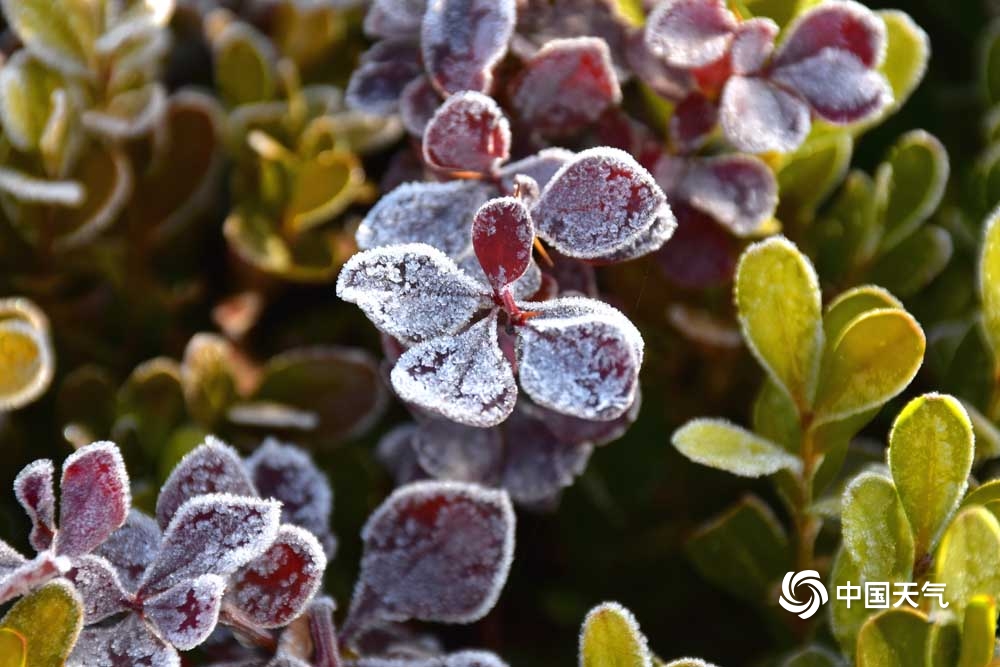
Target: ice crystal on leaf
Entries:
(33, 488)
(129, 643)
(690, 33)
(186, 614)
(502, 236)
(469, 132)
(132, 548)
(99, 586)
(461, 41)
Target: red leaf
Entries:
(469, 132)
(502, 235)
(693, 121)
(690, 33)
(186, 614)
(94, 498)
(33, 488)
(132, 548)
(701, 254)
(844, 26)
(98, 584)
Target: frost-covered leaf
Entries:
(61, 34)
(434, 551)
(566, 85)
(739, 191)
(212, 467)
(540, 167)
(693, 122)
(758, 117)
(610, 636)
(447, 450)
(417, 104)
(968, 560)
(893, 638)
(384, 72)
(671, 83)
(50, 620)
(457, 659)
(394, 18)
(648, 242)
(33, 488)
(99, 587)
(212, 534)
(129, 643)
(931, 447)
(690, 33)
(438, 214)
(287, 473)
(27, 360)
(752, 45)
(94, 498)
(583, 363)
(906, 56)
(597, 204)
(186, 614)
(274, 588)
(502, 236)
(132, 548)
(915, 176)
(874, 359)
(412, 292)
(10, 560)
(778, 299)
(469, 132)
(461, 41)
(845, 26)
(839, 87)
(701, 253)
(876, 531)
(723, 445)
(465, 377)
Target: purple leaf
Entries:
(693, 122)
(502, 236)
(460, 659)
(540, 167)
(186, 614)
(417, 105)
(33, 488)
(98, 584)
(465, 377)
(838, 87)
(10, 560)
(701, 253)
(843, 26)
(212, 467)
(274, 588)
(94, 498)
(648, 242)
(540, 22)
(567, 85)
(412, 292)
(383, 73)
(673, 83)
(438, 214)
(690, 33)
(580, 357)
(447, 450)
(758, 117)
(129, 643)
(598, 203)
(739, 191)
(433, 551)
(394, 18)
(287, 473)
(213, 534)
(396, 453)
(462, 40)
(132, 548)
(752, 45)
(468, 133)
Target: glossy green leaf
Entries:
(778, 302)
(876, 356)
(50, 620)
(610, 637)
(908, 48)
(893, 638)
(13, 648)
(876, 531)
(244, 70)
(931, 446)
(915, 262)
(911, 183)
(968, 560)
(979, 632)
(720, 444)
(989, 282)
(743, 551)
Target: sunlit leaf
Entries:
(610, 637)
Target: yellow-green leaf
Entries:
(207, 378)
(27, 360)
(846, 622)
(893, 638)
(875, 528)
(13, 648)
(989, 282)
(984, 494)
(778, 299)
(968, 560)
(809, 175)
(931, 447)
(915, 262)
(244, 69)
(990, 64)
(852, 303)
(910, 185)
(876, 356)
(611, 638)
(775, 417)
(26, 87)
(979, 632)
(61, 33)
(720, 444)
(943, 643)
(907, 52)
(324, 187)
(50, 620)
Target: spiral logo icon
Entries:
(807, 579)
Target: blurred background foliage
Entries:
(165, 272)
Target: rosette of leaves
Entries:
(876, 229)
(611, 636)
(27, 359)
(828, 372)
(84, 83)
(296, 163)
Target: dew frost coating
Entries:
(597, 204)
(186, 614)
(459, 659)
(502, 235)
(461, 40)
(129, 643)
(132, 548)
(690, 33)
(94, 498)
(469, 132)
(33, 488)
(435, 551)
(99, 587)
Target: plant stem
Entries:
(807, 524)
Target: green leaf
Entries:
(720, 444)
(846, 622)
(987, 434)
(931, 447)
(915, 262)
(207, 378)
(244, 65)
(986, 493)
(876, 531)
(812, 656)
(908, 48)
(968, 560)
(990, 64)
(312, 257)
(847, 236)
(852, 303)
(775, 417)
(60, 33)
(26, 87)
(979, 632)
(809, 175)
(611, 638)
(27, 360)
(688, 662)
(743, 551)
(151, 405)
(876, 356)
(323, 188)
(989, 283)
(778, 302)
(911, 183)
(13, 648)
(893, 638)
(50, 620)
(943, 644)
